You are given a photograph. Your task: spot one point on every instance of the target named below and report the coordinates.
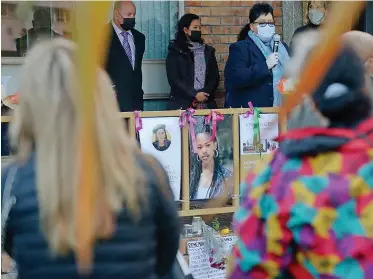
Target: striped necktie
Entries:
(127, 47)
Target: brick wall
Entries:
(221, 22)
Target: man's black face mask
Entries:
(128, 23)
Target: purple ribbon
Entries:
(214, 117)
(138, 120)
(187, 116)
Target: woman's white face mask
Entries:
(316, 16)
(266, 33)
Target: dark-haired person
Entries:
(253, 70)
(308, 213)
(192, 69)
(316, 14)
(209, 178)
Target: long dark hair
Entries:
(197, 170)
(256, 11)
(184, 22)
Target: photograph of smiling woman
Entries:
(209, 178)
(161, 141)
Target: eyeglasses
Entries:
(264, 24)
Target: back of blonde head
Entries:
(47, 122)
(362, 42)
(305, 115)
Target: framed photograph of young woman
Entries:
(211, 164)
(161, 138)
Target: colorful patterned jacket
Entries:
(309, 213)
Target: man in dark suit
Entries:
(42, 28)
(126, 50)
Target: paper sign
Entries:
(161, 137)
(199, 259)
(249, 153)
(4, 82)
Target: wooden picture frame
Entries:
(185, 194)
(127, 117)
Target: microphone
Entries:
(276, 39)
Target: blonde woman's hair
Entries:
(46, 122)
(304, 114)
(304, 44)
(362, 42)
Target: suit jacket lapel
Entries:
(257, 52)
(119, 47)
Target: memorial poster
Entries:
(199, 259)
(250, 152)
(161, 137)
(211, 166)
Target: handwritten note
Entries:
(199, 259)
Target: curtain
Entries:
(157, 20)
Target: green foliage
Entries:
(215, 224)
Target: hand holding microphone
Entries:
(272, 59)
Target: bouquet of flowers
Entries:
(286, 86)
(10, 101)
(214, 247)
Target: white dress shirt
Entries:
(131, 40)
(202, 193)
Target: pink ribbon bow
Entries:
(138, 120)
(214, 117)
(187, 116)
(250, 111)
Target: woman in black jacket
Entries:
(192, 69)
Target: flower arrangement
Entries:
(10, 101)
(218, 265)
(286, 86)
(215, 224)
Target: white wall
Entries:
(155, 82)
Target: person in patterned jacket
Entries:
(309, 213)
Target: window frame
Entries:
(146, 62)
